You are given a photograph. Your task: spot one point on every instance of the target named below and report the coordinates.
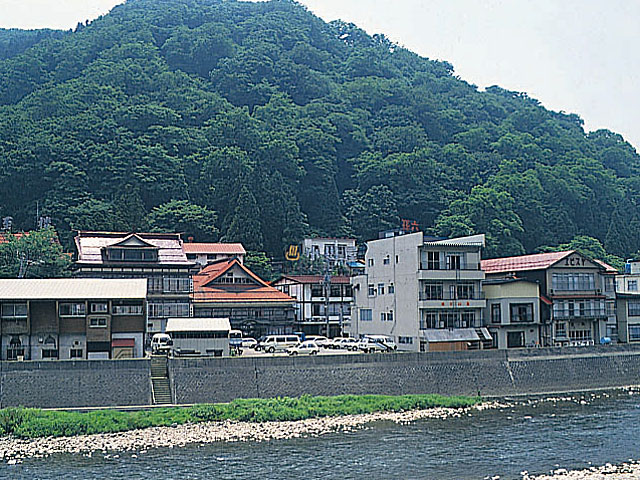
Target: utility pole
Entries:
(327, 291)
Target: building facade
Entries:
(426, 292)
(317, 313)
(335, 251)
(574, 293)
(205, 253)
(228, 289)
(628, 303)
(157, 257)
(62, 318)
(512, 314)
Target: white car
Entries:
(308, 347)
(377, 343)
(345, 344)
(248, 342)
(322, 342)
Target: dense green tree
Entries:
(184, 217)
(36, 254)
(245, 226)
(260, 264)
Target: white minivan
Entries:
(161, 343)
(273, 343)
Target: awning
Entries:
(485, 334)
(545, 300)
(123, 342)
(435, 335)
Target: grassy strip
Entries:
(31, 423)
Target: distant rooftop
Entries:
(538, 261)
(214, 248)
(72, 288)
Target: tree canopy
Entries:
(259, 122)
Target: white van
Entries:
(273, 343)
(161, 343)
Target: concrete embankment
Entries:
(204, 380)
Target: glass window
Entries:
(634, 308)
(429, 320)
(98, 322)
(72, 309)
(465, 291)
(573, 281)
(391, 289)
(467, 319)
(496, 313)
(335, 291)
(101, 307)
(433, 260)
(383, 316)
(348, 291)
(317, 291)
(390, 316)
(632, 285)
(75, 353)
(432, 291)
(521, 312)
(14, 310)
(454, 261)
(381, 289)
(371, 290)
(366, 315)
(634, 333)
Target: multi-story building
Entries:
(573, 293)
(426, 292)
(71, 318)
(628, 303)
(228, 289)
(335, 251)
(158, 257)
(205, 253)
(512, 314)
(315, 312)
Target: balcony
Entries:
(581, 314)
(465, 266)
(453, 275)
(476, 300)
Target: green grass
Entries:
(32, 423)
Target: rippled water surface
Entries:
(536, 437)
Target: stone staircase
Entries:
(161, 388)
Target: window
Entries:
(166, 310)
(465, 291)
(515, 339)
(317, 291)
(370, 262)
(366, 315)
(132, 255)
(193, 335)
(580, 335)
(467, 319)
(432, 291)
(177, 284)
(385, 260)
(348, 291)
(496, 313)
(49, 353)
(521, 312)
(101, 307)
(405, 340)
(127, 310)
(383, 316)
(372, 290)
(14, 310)
(429, 320)
(342, 251)
(211, 256)
(75, 353)
(72, 309)
(561, 330)
(381, 289)
(573, 281)
(454, 261)
(98, 322)
(634, 333)
(390, 316)
(335, 291)
(632, 285)
(634, 308)
(391, 289)
(433, 260)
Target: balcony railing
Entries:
(441, 266)
(582, 313)
(450, 297)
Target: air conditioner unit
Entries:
(464, 324)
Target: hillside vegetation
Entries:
(259, 122)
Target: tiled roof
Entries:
(205, 291)
(4, 237)
(89, 246)
(608, 268)
(316, 278)
(212, 248)
(72, 288)
(537, 261)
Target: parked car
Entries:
(377, 343)
(345, 344)
(248, 342)
(322, 342)
(308, 347)
(161, 343)
(273, 343)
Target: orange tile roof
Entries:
(4, 237)
(538, 261)
(206, 291)
(224, 248)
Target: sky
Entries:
(576, 56)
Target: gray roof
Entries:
(72, 288)
(89, 246)
(198, 325)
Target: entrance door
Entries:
(515, 339)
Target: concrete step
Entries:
(161, 391)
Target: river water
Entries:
(538, 436)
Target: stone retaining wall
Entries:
(200, 380)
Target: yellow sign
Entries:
(293, 253)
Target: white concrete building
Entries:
(205, 253)
(628, 303)
(335, 250)
(424, 291)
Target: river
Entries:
(533, 435)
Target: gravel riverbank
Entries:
(13, 450)
(625, 471)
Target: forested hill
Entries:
(259, 122)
